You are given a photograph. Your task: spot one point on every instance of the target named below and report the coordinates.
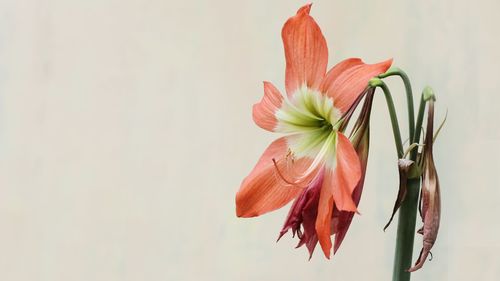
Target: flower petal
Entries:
(347, 174)
(338, 186)
(360, 139)
(336, 71)
(262, 190)
(304, 212)
(306, 52)
(264, 112)
(325, 208)
(345, 218)
(347, 80)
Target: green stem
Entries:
(406, 232)
(427, 94)
(405, 236)
(376, 82)
(409, 96)
(418, 125)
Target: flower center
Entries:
(307, 110)
(312, 120)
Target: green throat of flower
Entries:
(312, 121)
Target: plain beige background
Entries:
(125, 130)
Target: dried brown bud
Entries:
(430, 198)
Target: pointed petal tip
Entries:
(387, 63)
(282, 233)
(327, 255)
(384, 65)
(326, 247)
(306, 51)
(304, 10)
(336, 248)
(415, 268)
(348, 206)
(240, 212)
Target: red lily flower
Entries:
(315, 163)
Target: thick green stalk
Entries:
(406, 232)
(418, 126)
(376, 82)
(394, 71)
(427, 94)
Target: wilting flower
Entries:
(431, 198)
(404, 166)
(315, 163)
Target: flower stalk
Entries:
(395, 71)
(377, 82)
(405, 236)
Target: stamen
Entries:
(283, 178)
(318, 160)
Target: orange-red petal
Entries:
(336, 71)
(262, 190)
(306, 52)
(325, 208)
(347, 174)
(347, 80)
(337, 189)
(264, 112)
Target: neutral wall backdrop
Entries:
(125, 131)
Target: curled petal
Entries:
(264, 112)
(431, 196)
(347, 80)
(306, 52)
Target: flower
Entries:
(430, 199)
(315, 163)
